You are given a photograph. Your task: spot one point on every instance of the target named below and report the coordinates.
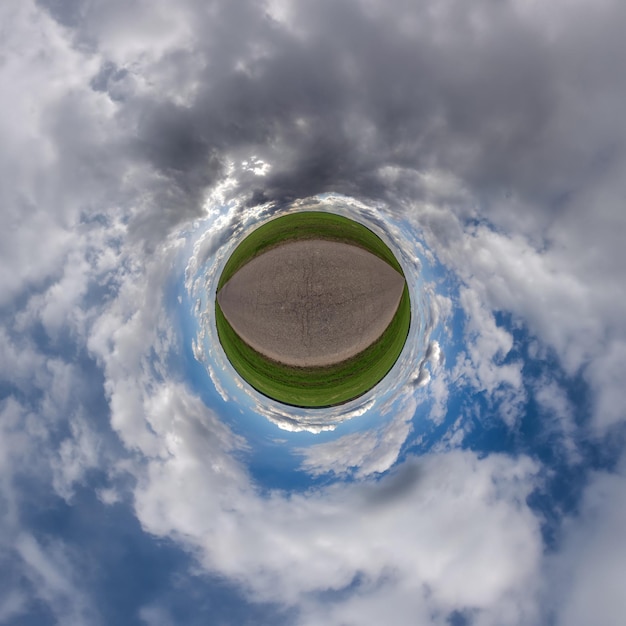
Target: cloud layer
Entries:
(140, 141)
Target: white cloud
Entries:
(558, 293)
(14, 444)
(605, 375)
(481, 365)
(33, 572)
(51, 573)
(46, 181)
(497, 128)
(487, 343)
(588, 571)
(12, 604)
(450, 523)
(155, 616)
(77, 454)
(558, 417)
(364, 453)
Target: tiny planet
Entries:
(312, 309)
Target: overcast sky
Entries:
(485, 139)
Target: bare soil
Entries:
(312, 303)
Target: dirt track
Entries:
(312, 302)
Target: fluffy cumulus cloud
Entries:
(474, 543)
(587, 570)
(142, 482)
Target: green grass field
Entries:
(313, 386)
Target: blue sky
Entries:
(482, 483)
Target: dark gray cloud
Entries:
(396, 487)
(341, 96)
(342, 90)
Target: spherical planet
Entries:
(312, 309)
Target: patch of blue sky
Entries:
(428, 436)
(451, 338)
(272, 469)
(127, 572)
(566, 457)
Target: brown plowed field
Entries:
(312, 303)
